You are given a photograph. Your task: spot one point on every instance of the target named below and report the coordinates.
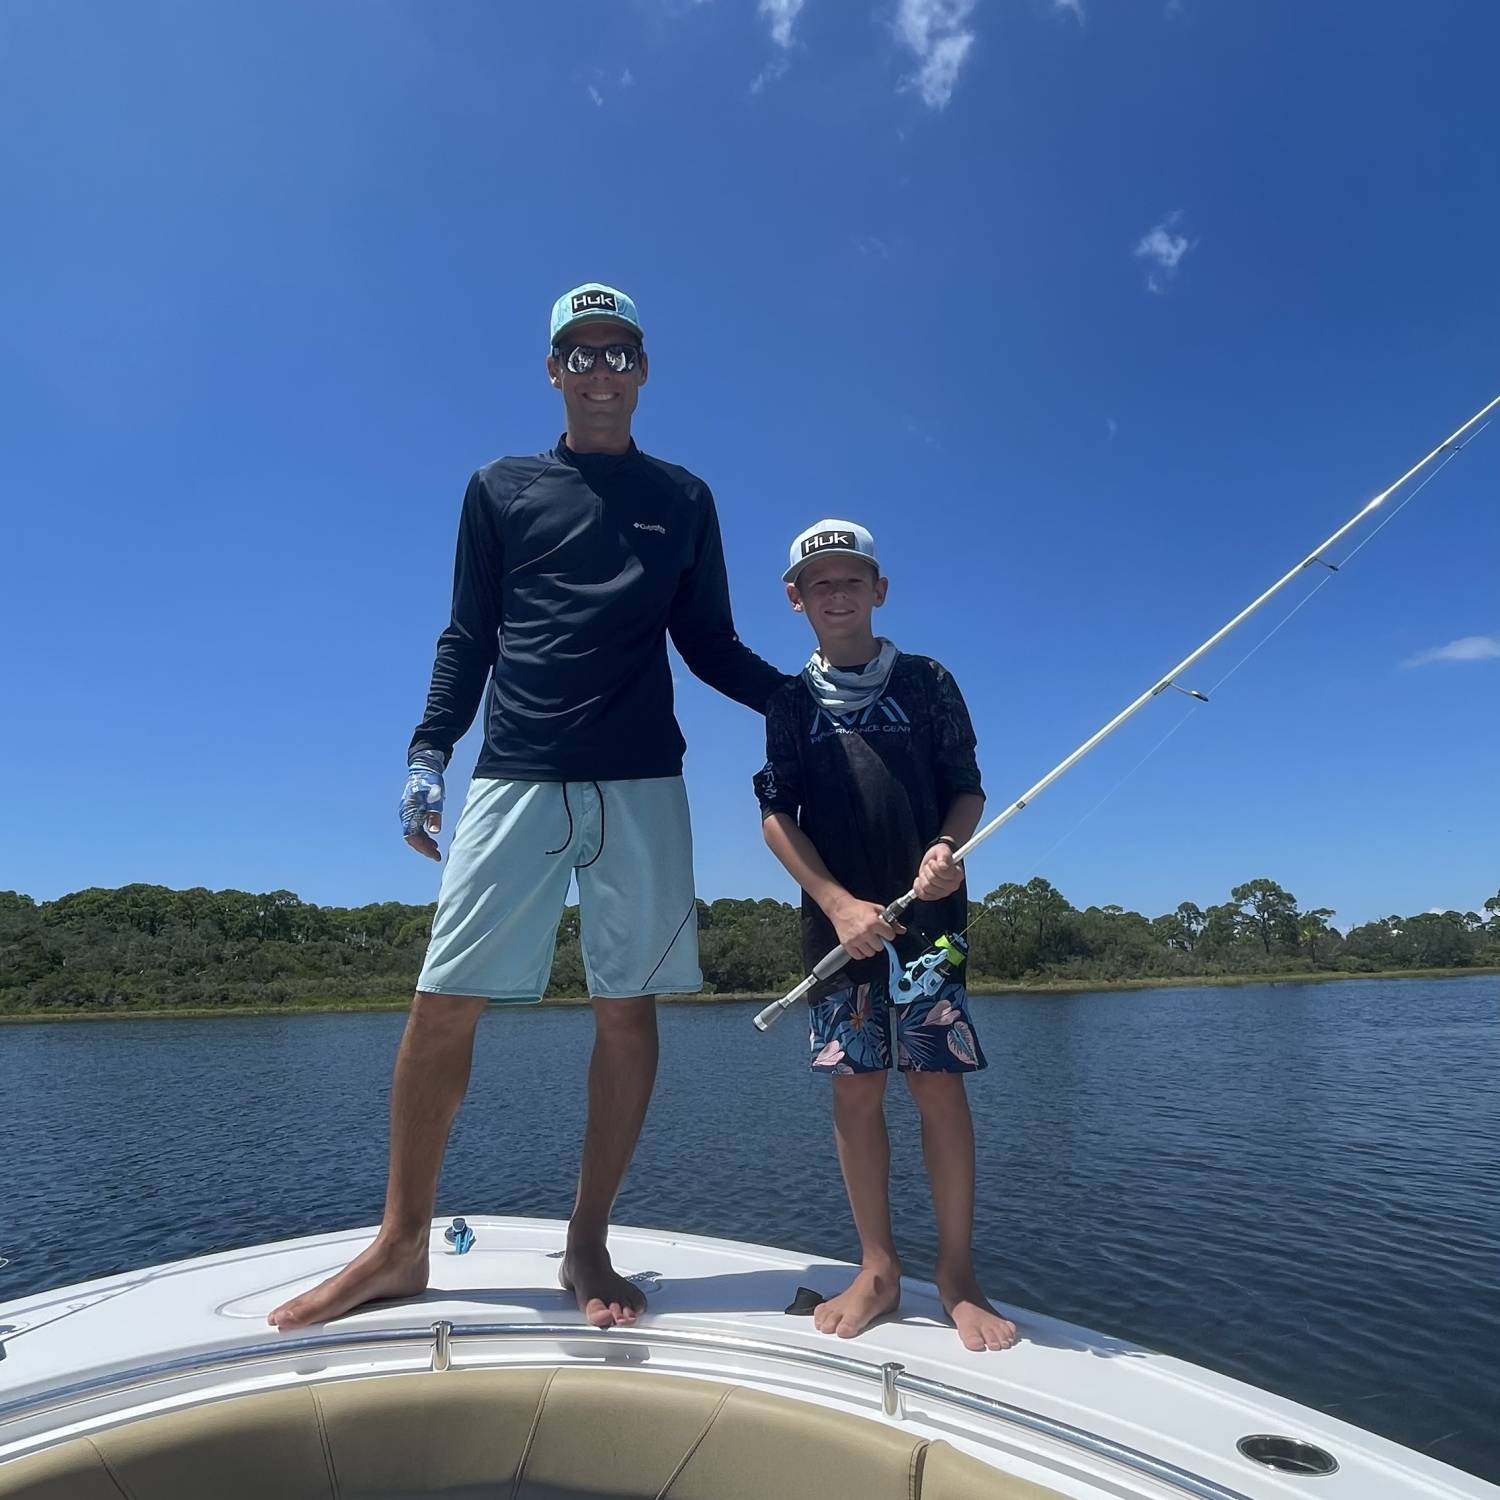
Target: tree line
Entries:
(145, 946)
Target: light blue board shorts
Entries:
(515, 851)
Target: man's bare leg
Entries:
(432, 1073)
(622, 1073)
(865, 1156)
(948, 1149)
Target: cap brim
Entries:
(790, 576)
(598, 317)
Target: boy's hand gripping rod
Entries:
(832, 962)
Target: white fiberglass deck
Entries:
(1077, 1411)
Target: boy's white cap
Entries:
(830, 537)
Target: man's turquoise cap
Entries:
(592, 302)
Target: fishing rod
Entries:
(831, 963)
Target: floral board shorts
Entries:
(858, 1030)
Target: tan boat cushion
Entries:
(948, 1474)
(766, 1446)
(262, 1445)
(73, 1471)
(611, 1430)
(414, 1435)
(573, 1434)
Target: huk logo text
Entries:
(594, 302)
(826, 539)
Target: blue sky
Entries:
(1098, 314)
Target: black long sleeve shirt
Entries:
(572, 569)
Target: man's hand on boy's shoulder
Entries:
(938, 875)
(860, 926)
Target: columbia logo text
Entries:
(650, 526)
(594, 302)
(827, 539)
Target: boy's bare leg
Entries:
(622, 1073)
(865, 1156)
(948, 1149)
(432, 1073)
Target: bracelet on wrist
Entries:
(944, 838)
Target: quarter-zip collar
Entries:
(595, 462)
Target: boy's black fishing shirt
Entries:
(870, 789)
(572, 570)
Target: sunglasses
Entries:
(580, 359)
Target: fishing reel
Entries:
(928, 972)
(460, 1236)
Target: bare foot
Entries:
(979, 1326)
(604, 1296)
(874, 1293)
(381, 1270)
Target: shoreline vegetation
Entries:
(1043, 988)
(149, 951)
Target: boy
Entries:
(870, 784)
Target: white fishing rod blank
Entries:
(831, 963)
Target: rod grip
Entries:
(768, 1017)
(825, 968)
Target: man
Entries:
(573, 566)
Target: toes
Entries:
(1000, 1335)
(604, 1314)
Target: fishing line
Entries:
(1457, 448)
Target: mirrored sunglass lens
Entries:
(620, 357)
(581, 360)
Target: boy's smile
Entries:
(839, 593)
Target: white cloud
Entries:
(872, 244)
(1112, 427)
(626, 79)
(776, 68)
(782, 14)
(1163, 250)
(596, 96)
(1071, 7)
(1465, 648)
(937, 32)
